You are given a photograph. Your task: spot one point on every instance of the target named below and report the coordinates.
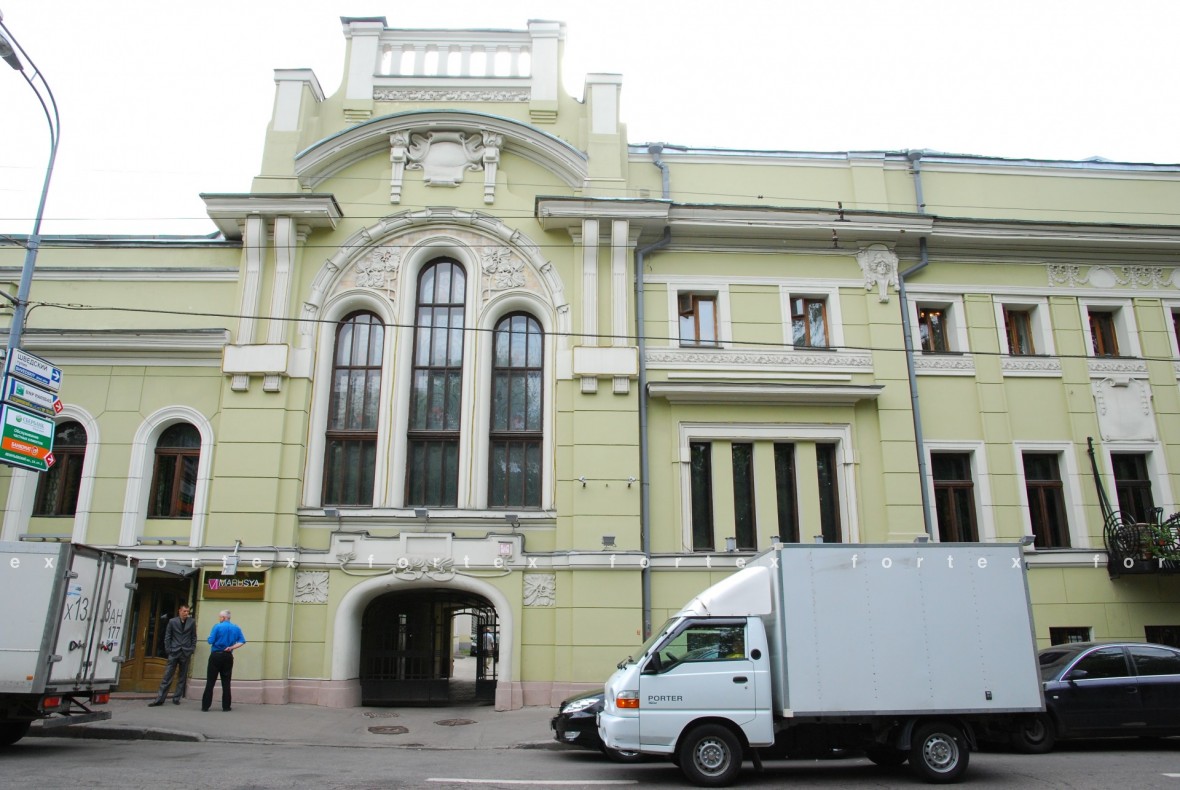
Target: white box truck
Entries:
(63, 633)
(905, 651)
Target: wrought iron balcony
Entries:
(1138, 547)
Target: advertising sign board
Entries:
(33, 369)
(30, 398)
(25, 439)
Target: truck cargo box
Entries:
(901, 628)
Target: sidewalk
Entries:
(468, 727)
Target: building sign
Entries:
(30, 398)
(25, 439)
(35, 370)
(246, 586)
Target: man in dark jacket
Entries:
(180, 642)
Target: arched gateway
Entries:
(392, 642)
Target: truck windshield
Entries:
(656, 636)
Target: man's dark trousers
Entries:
(221, 664)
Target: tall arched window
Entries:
(351, 447)
(514, 474)
(174, 483)
(57, 489)
(432, 459)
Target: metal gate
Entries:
(406, 647)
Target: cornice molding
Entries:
(126, 274)
(763, 393)
(230, 210)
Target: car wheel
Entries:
(886, 756)
(13, 731)
(938, 752)
(710, 756)
(1035, 735)
(621, 756)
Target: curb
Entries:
(116, 733)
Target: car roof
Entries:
(1079, 647)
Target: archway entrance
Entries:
(412, 642)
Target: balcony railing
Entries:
(1137, 547)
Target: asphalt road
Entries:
(51, 763)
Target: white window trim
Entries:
(139, 475)
(1124, 325)
(841, 435)
(1071, 483)
(483, 346)
(1038, 308)
(22, 491)
(720, 292)
(984, 507)
(1157, 472)
(956, 323)
(831, 298)
(333, 312)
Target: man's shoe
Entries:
(226, 710)
(157, 703)
(204, 710)
(175, 701)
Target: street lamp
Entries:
(11, 52)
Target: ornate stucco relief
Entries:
(879, 265)
(944, 363)
(674, 357)
(1124, 409)
(1150, 277)
(1045, 366)
(311, 587)
(444, 157)
(540, 589)
(451, 94)
(1116, 366)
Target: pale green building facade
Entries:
(465, 349)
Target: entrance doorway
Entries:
(409, 655)
(156, 602)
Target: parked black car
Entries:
(1102, 690)
(576, 723)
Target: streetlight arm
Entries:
(9, 47)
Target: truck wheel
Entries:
(939, 752)
(710, 756)
(1035, 735)
(886, 756)
(13, 731)
(619, 756)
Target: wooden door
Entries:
(156, 602)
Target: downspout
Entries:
(641, 254)
(915, 158)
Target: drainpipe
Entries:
(915, 158)
(641, 254)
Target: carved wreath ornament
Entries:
(378, 269)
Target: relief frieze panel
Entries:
(1131, 277)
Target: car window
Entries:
(1155, 661)
(704, 642)
(1051, 661)
(1106, 662)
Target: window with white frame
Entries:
(938, 326)
(1045, 492)
(58, 489)
(1024, 327)
(351, 453)
(954, 497)
(1109, 328)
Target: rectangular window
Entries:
(1163, 634)
(1065, 635)
(743, 497)
(698, 319)
(829, 492)
(1133, 486)
(784, 484)
(1176, 327)
(1102, 333)
(809, 322)
(932, 329)
(1018, 323)
(702, 495)
(1046, 500)
(954, 497)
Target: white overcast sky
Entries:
(162, 100)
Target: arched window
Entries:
(351, 447)
(57, 489)
(514, 473)
(432, 458)
(174, 482)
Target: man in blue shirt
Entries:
(225, 638)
